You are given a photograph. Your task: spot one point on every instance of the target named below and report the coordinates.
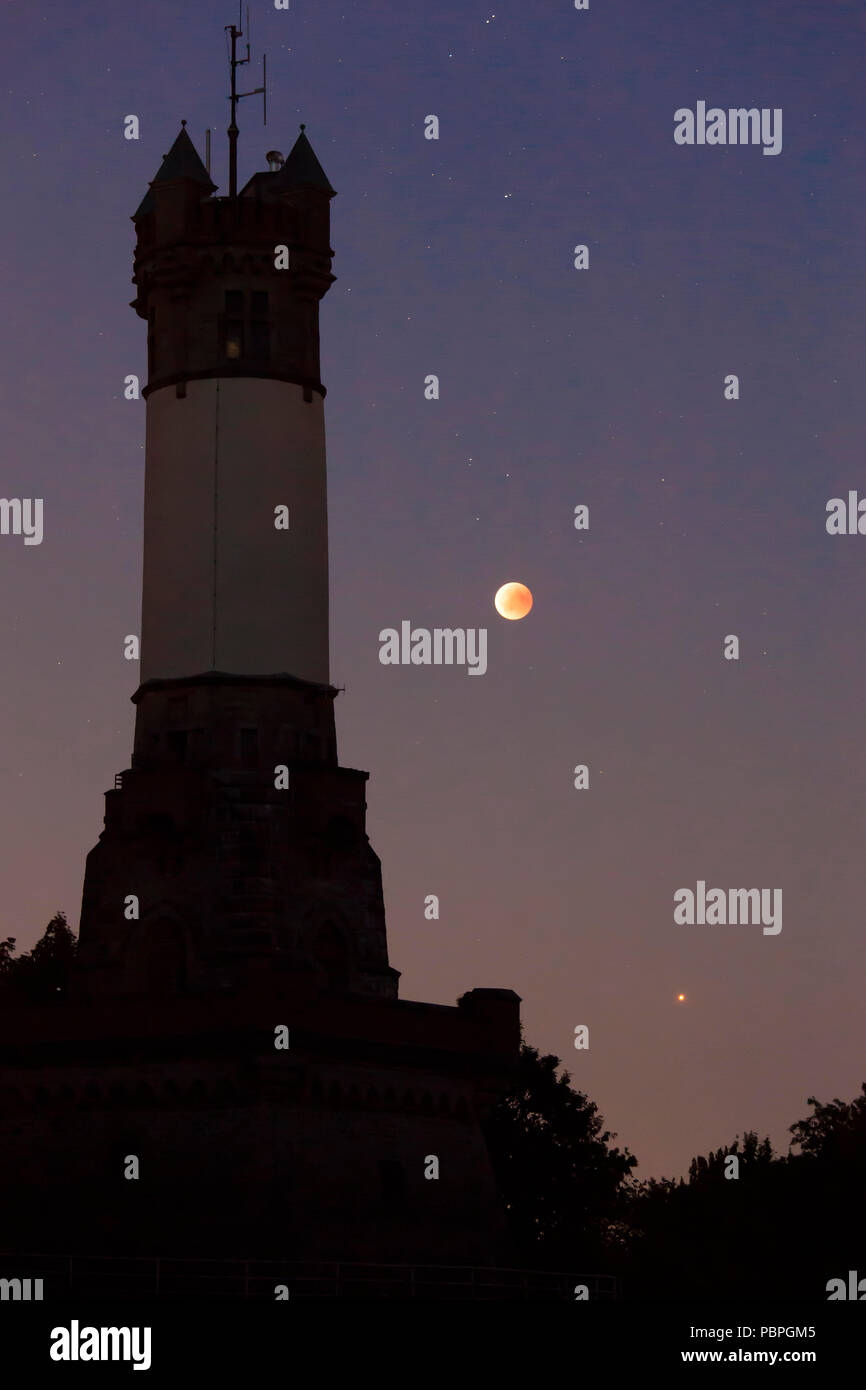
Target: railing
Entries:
(109, 1276)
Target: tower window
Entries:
(245, 330)
(176, 740)
(234, 338)
(260, 340)
(260, 328)
(307, 747)
(232, 327)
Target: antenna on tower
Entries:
(236, 32)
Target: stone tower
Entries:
(235, 865)
(233, 1021)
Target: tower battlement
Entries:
(219, 295)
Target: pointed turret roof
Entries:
(181, 162)
(300, 167)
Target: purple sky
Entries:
(557, 387)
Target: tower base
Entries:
(181, 1128)
(234, 846)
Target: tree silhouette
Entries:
(7, 962)
(782, 1227)
(835, 1132)
(561, 1181)
(41, 975)
(749, 1157)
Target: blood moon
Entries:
(512, 601)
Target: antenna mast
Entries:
(236, 32)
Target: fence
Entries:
(94, 1276)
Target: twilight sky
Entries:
(558, 387)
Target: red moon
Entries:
(512, 601)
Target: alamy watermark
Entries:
(846, 518)
(736, 126)
(444, 646)
(716, 907)
(22, 516)
(21, 1290)
(76, 1343)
